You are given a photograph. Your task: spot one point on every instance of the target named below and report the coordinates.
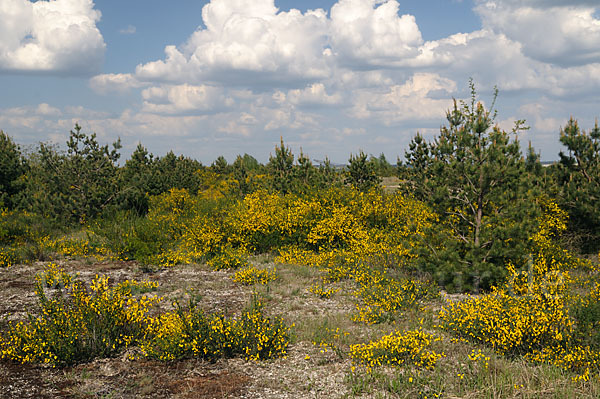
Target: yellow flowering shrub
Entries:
(6, 258)
(192, 333)
(204, 237)
(536, 313)
(252, 275)
(478, 358)
(54, 276)
(512, 325)
(382, 297)
(72, 247)
(230, 258)
(170, 258)
(400, 348)
(322, 292)
(582, 360)
(340, 230)
(77, 324)
(318, 229)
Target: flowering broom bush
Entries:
(397, 349)
(252, 275)
(76, 323)
(192, 333)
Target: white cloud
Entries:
(535, 113)
(246, 42)
(56, 36)
(409, 101)
(371, 32)
(314, 94)
(360, 75)
(185, 98)
(115, 82)
(47, 110)
(235, 128)
(558, 32)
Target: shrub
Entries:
(397, 349)
(192, 333)
(322, 292)
(7, 258)
(587, 313)
(78, 323)
(252, 275)
(230, 258)
(512, 325)
(383, 297)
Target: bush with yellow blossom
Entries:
(76, 323)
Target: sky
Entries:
(332, 78)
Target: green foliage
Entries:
(361, 173)
(245, 170)
(78, 185)
(587, 313)
(474, 177)
(179, 172)
(280, 167)
(381, 165)
(305, 174)
(136, 181)
(12, 167)
(220, 165)
(578, 175)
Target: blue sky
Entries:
(227, 77)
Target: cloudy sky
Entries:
(227, 77)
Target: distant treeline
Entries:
(470, 172)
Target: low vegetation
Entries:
(477, 277)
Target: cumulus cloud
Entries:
(558, 32)
(46, 109)
(246, 41)
(251, 70)
(314, 94)
(56, 36)
(535, 113)
(371, 32)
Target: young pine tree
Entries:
(361, 173)
(473, 175)
(579, 183)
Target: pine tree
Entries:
(579, 182)
(361, 173)
(12, 167)
(473, 175)
(280, 167)
(78, 185)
